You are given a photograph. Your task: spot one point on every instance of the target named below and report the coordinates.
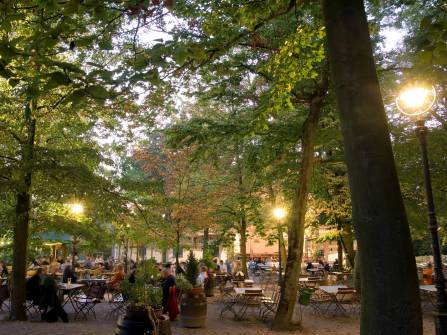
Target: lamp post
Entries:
(279, 213)
(415, 101)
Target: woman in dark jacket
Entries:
(49, 301)
(168, 282)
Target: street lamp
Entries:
(415, 101)
(279, 213)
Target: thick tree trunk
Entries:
(243, 233)
(284, 313)
(390, 303)
(206, 237)
(21, 227)
(356, 274)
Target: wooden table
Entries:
(243, 290)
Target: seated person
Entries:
(33, 286)
(54, 267)
(69, 273)
(132, 276)
(3, 269)
(117, 277)
(203, 276)
(88, 263)
(49, 301)
(427, 275)
(222, 267)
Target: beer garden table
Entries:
(244, 298)
(71, 290)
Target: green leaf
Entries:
(13, 82)
(105, 44)
(75, 97)
(98, 92)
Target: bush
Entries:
(182, 283)
(192, 269)
(208, 260)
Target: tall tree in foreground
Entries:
(390, 304)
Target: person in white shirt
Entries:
(222, 267)
(203, 276)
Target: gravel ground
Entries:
(312, 325)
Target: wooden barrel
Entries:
(209, 286)
(134, 323)
(164, 325)
(193, 308)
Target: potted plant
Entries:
(141, 297)
(182, 285)
(193, 302)
(208, 261)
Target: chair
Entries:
(344, 301)
(86, 302)
(319, 301)
(269, 304)
(250, 299)
(117, 305)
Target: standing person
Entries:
(33, 287)
(49, 301)
(168, 282)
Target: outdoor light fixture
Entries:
(279, 213)
(415, 101)
(77, 209)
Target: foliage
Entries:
(208, 260)
(182, 283)
(192, 269)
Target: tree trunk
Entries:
(177, 250)
(390, 292)
(206, 233)
(21, 227)
(284, 313)
(340, 254)
(356, 274)
(347, 242)
(243, 233)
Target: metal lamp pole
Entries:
(416, 100)
(279, 253)
(440, 313)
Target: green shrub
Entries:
(192, 269)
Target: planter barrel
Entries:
(135, 322)
(164, 325)
(193, 309)
(209, 286)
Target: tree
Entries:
(383, 235)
